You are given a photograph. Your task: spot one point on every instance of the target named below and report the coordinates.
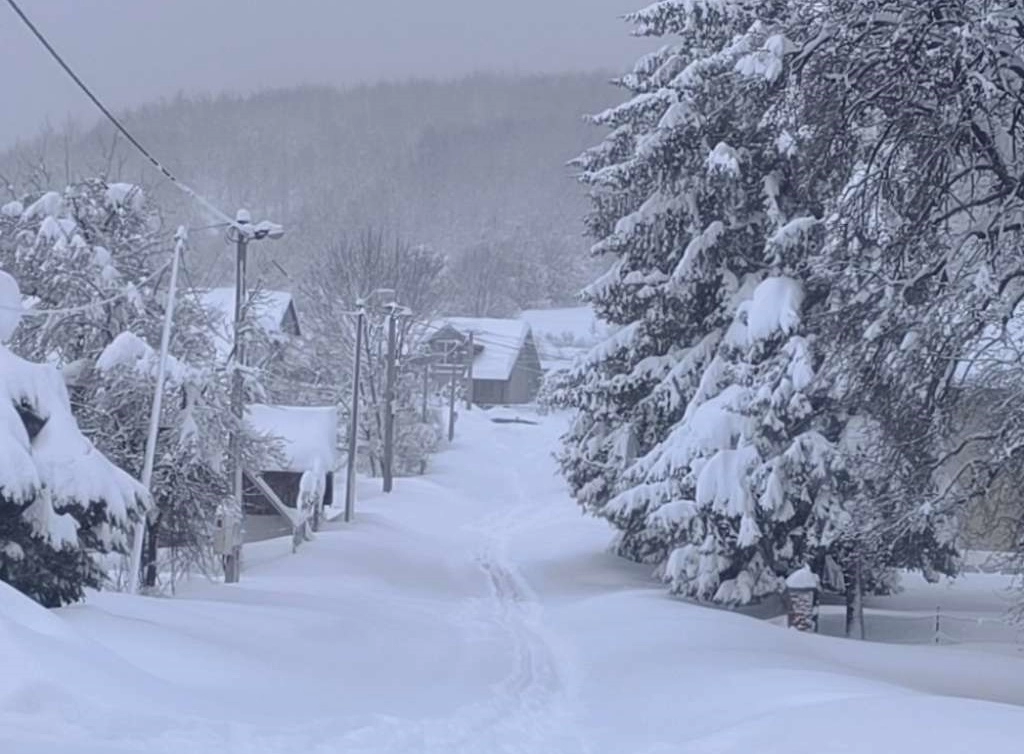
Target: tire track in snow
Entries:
(528, 712)
(536, 689)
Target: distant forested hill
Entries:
(475, 164)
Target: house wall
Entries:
(489, 392)
(286, 484)
(526, 374)
(521, 386)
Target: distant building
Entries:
(273, 311)
(506, 366)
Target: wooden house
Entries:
(506, 367)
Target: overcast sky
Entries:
(133, 51)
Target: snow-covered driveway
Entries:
(471, 611)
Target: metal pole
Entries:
(180, 239)
(451, 404)
(389, 405)
(426, 391)
(232, 559)
(469, 374)
(353, 427)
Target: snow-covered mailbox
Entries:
(802, 589)
(302, 483)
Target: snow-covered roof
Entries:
(309, 434)
(563, 334)
(270, 309)
(497, 341)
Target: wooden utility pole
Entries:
(233, 522)
(451, 402)
(426, 391)
(353, 425)
(389, 403)
(469, 374)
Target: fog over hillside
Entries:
(474, 162)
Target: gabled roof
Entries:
(497, 342)
(309, 434)
(272, 310)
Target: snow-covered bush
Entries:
(61, 501)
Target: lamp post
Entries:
(241, 233)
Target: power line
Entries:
(117, 123)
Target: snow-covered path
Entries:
(474, 611)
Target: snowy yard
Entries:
(472, 611)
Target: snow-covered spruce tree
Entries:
(693, 194)
(61, 501)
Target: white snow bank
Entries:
(50, 204)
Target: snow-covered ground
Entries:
(474, 610)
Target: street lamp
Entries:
(242, 232)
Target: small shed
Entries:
(309, 444)
(506, 365)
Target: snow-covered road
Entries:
(475, 611)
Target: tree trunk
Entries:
(151, 550)
(855, 600)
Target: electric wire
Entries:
(187, 190)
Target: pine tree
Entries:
(689, 188)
